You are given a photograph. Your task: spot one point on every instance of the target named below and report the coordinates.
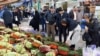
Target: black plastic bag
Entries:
(87, 37)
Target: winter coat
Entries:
(16, 14)
(42, 17)
(36, 20)
(7, 16)
(50, 17)
(93, 32)
(59, 18)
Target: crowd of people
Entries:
(73, 25)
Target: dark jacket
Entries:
(36, 19)
(50, 17)
(7, 16)
(93, 32)
(59, 18)
(18, 17)
(71, 24)
(71, 15)
(42, 17)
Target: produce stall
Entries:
(17, 42)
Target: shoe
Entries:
(72, 47)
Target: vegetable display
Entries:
(21, 43)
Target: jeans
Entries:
(43, 27)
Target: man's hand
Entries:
(54, 23)
(64, 24)
(86, 28)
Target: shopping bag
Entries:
(87, 51)
(16, 19)
(87, 37)
(96, 52)
(1, 22)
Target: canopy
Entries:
(4, 2)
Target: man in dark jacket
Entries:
(73, 13)
(62, 24)
(8, 18)
(65, 24)
(50, 21)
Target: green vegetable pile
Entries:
(19, 43)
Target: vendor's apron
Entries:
(74, 36)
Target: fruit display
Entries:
(44, 49)
(21, 43)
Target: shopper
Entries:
(16, 17)
(51, 21)
(73, 13)
(35, 21)
(43, 21)
(91, 31)
(8, 18)
(62, 24)
(80, 14)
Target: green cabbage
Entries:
(50, 54)
(23, 50)
(28, 44)
(20, 48)
(34, 52)
(2, 52)
(11, 54)
(25, 54)
(9, 46)
(6, 38)
(3, 43)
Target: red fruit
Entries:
(63, 53)
(44, 49)
(53, 46)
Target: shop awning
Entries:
(4, 2)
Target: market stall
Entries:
(17, 42)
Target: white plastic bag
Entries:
(89, 51)
(96, 52)
(16, 19)
(1, 20)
